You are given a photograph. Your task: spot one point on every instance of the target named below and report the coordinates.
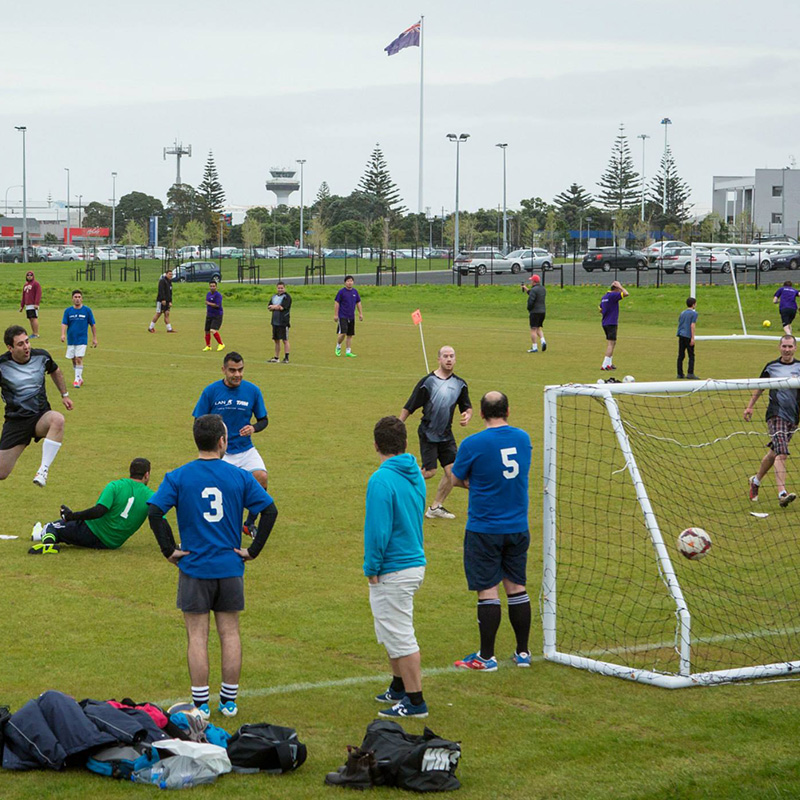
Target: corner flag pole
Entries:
(421, 84)
(417, 317)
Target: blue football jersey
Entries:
(209, 496)
(237, 406)
(78, 321)
(497, 462)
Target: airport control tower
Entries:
(283, 183)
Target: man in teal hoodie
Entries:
(394, 563)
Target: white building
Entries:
(283, 183)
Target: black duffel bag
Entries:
(422, 763)
(265, 748)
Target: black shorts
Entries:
(31, 313)
(74, 532)
(788, 315)
(213, 323)
(611, 332)
(346, 327)
(490, 557)
(279, 333)
(20, 430)
(431, 452)
(201, 595)
(536, 319)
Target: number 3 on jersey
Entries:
(214, 497)
(511, 464)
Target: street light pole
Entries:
(666, 122)
(503, 147)
(68, 237)
(301, 161)
(462, 137)
(24, 198)
(644, 137)
(113, 208)
(15, 186)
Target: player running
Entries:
(213, 316)
(438, 393)
(28, 414)
(119, 512)
(237, 401)
(75, 325)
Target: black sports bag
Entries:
(265, 748)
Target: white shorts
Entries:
(392, 602)
(76, 351)
(250, 460)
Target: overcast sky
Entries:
(105, 86)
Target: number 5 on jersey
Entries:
(511, 464)
(214, 497)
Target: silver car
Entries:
(536, 258)
(481, 261)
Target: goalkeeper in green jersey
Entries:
(118, 514)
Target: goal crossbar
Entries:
(684, 641)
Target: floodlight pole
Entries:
(462, 137)
(24, 130)
(666, 122)
(68, 237)
(644, 137)
(503, 147)
(113, 208)
(301, 162)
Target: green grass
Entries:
(104, 624)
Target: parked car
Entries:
(16, 255)
(742, 258)
(774, 238)
(481, 261)
(656, 250)
(536, 258)
(676, 260)
(192, 252)
(608, 258)
(102, 254)
(342, 253)
(71, 253)
(197, 272)
(784, 259)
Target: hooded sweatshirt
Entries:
(393, 517)
(31, 293)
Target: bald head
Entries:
(494, 405)
(447, 359)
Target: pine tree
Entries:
(210, 189)
(572, 203)
(677, 196)
(377, 183)
(620, 182)
(324, 192)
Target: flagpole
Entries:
(421, 84)
(425, 355)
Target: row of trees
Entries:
(373, 213)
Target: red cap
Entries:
(534, 278)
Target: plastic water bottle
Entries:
(176, 772)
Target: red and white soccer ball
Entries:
(694, 543)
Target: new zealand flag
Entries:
(408, 38)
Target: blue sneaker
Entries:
(405, 708)
(390, 696)
(203, 711)
(522, 659)
(229, 709)
(474, 661)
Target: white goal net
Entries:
(627, 468)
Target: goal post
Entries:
(627, 467)
(763, 260)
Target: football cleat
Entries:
(338, 350)
(220, 346)
(474, 661)
(440, 512)
(786, 498)
(521, 659)
(206, 348)
(46, 549)
(754, 487)
(40, 479)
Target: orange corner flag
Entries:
(416, 316)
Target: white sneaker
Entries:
(40, 479)
(440, 512)
(36, 533)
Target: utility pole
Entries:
(178, 150)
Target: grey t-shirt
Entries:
(536, 299)
(782, 402)
(22, 385)
(438, 398)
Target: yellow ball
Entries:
(766, 323)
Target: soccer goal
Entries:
(759, 256)
(629, 466)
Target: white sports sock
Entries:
(169, 327)
(78, 373)
(152, 325)
(534, 348)
(49, 452)
(606, 361)
(348, 349)
(543, 340)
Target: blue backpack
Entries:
(122, 761)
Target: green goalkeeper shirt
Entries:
(126, 501)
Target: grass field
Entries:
(104, 624)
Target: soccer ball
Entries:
(628, 379)
(694, 543)
(766, 324)
(184, 708)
